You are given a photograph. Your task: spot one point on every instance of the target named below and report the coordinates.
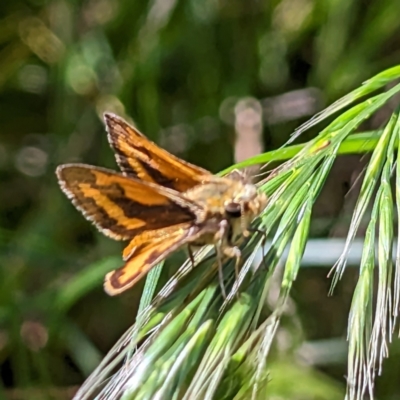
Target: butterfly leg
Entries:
(191, 256)
(234, 252)
(231, 252)
(220, 271)
(221, 250)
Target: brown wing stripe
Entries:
(156, 215)
(103, 219)
(159, 177)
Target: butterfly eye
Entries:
(233, 210)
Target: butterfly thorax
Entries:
(234, 201)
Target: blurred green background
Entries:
(212, 81)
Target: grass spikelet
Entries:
(191, 343)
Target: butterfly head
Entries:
(247, 204)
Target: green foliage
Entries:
(206, 346)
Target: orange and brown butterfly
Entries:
(159, 202)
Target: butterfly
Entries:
(159, 203)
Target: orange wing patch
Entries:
(123, 207)
(148, 236)
(139, 157)
(145, 256)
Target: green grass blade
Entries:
(384, 302)
(84, 281)
(150, 287)
(360, 317)
(369, 183)
(396, 305)
(378, 81)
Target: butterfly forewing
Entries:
(123, 207)
(139, 157)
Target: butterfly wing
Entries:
(122, 207)
(144, 256)
(139, 157)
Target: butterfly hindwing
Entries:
(145, 256)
